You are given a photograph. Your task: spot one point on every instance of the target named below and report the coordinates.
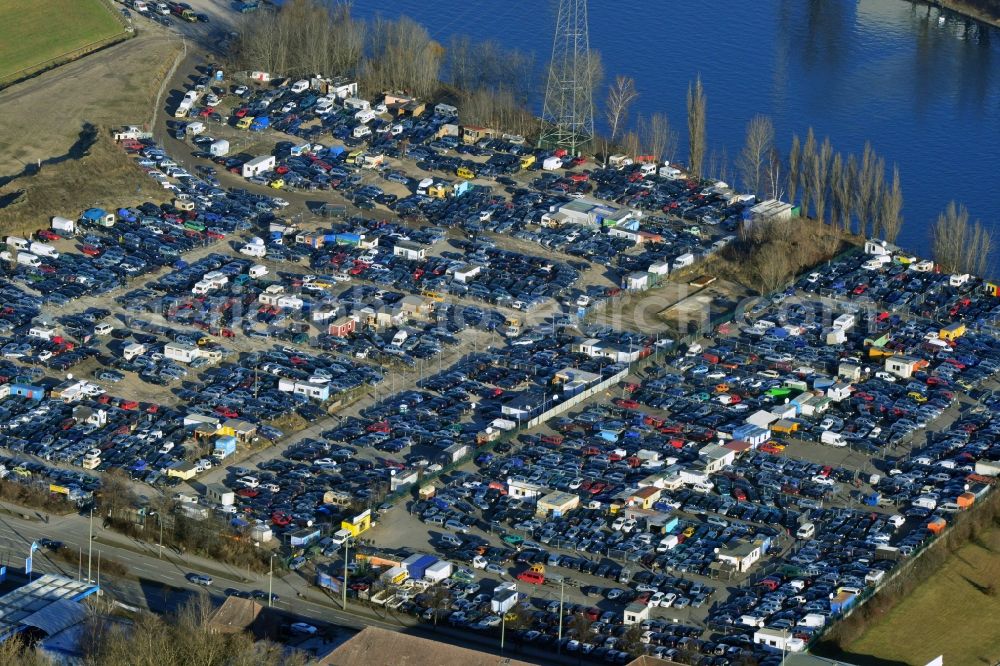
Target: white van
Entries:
(340, 537)
(103, 328)
(43, 250)
(300, 86)
(806, 531)
(925, 502)
(17, 242)
(28, 259)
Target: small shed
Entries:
(258, 165)
(216, 493)
(409, 250)
(635, 613)
(219, 148)
(557, 504)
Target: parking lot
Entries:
(398, 323)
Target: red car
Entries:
(48, 234)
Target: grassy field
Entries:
(79, 167)
(956, 613)
(33, 33)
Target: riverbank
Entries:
(966, 9)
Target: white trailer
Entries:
(133, 350)
(552, 163)
(684, 260)
(254, 250)
(438, 571)
(258, 271)
(64, 224)
(259, 165)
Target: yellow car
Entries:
(277, 183)
(917, 396)
(689, 532)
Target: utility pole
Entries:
(503, 629)
(343, 587)
(159, 519)
(270, 579)
(90, 546)
(568, 113)
(562, 588)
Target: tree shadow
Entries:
(79, 149)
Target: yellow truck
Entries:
(464, 172)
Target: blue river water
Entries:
(923, 85)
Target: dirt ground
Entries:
(695, 307)
(59, 155)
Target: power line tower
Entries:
(568, 114)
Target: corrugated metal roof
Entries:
(29, 601)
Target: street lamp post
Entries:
(343, 587)
(562, 588)
(270, 579)
(503, 629)
(90, 546)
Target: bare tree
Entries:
(347, 41)
(959, 247)
(840, 194)
(696, 104)
(819, 177)
(630, 144)
(807, 162)
(621, 95)
(774, 179)
(864, 189)
(403, 57)
(948, 237)
(892, 208)
(851, 184)
(752, 161)
(794, 168)
(116, 497)
(438, 601)
(771, 267)
(980, 250)
(658, 139)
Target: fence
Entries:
(63, 58)
(576, 399)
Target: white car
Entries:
(303, 628)
(823, 480)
